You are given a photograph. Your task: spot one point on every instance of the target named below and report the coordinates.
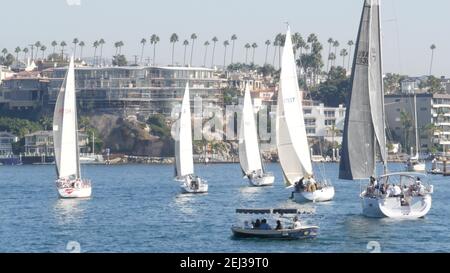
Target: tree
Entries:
(95, 46)
(267, 43)
(43, 49)
(193, 38)
(7, 60)
(432, 47)
(63, 45)
(225, 45)
(276, 43)
(54, 44)
(247, 47)
(101, 42)
(38, 46)
(350, 44)
(119, 60)
(82, 45)
(392, 83)
(343, 54)
(154, 40)
(25, 51)
(143, 42)
(407, 124)
(330, 43)
(75, 43)
(434, 85)
(158, 126)
(214, 40)
(335, 90)
(185, 44)
(254, 46)
(17, 50)
(206, 44)
(4, 52)
(233, 40)
(173, 40)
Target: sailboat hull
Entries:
(323, 195)
(391, 207)
(187, 187)
(264, 181)
(416, 167)
(74, 189)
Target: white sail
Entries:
(183, 145)
(65, 129)
(292, 142)
(249, 154)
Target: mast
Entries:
(415, 126)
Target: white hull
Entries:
(323, 195)
(392, 208)
(418, 167)
(201, 188)
(262, 181)
(79, 189)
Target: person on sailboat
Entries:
(297, 223)
(279, 226)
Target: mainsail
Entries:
(183, 145)
(292, 142)
(65, 129)
(364, 131)
(249, 154)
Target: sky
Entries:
(409, 27)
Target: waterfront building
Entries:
(24, 90)
(6, 141)
(41, 143)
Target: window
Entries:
(310, 131)
(329, 114)
(398, 109)
(397, 100)
(423, 109)
(310, 122)
(305, 111)
(330, 122)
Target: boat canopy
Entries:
(272, 211)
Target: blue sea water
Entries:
(139, 208)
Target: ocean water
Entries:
(139, 208)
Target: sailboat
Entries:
(184, 161)
(394, 195)
(414, 163)
(291, 139)
(249, 155)
(65, 140)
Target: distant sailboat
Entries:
(184, 161)
(395, 195)
(65, 140)
(249, 154)
(292, 142)
(414, 163)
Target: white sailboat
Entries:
(414, 163)
(249, 154)
(292, 142)
(65, 139)
(184, 161)
(394, 195)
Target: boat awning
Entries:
(254, 211)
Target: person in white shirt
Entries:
(397, 191)
(297, 223)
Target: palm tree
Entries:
(254, 46)
(330, 42)
(75, 43)
(173, 40)
(54, 44)
(247, 47)
(432, 47)
(193, 38)
(214, 40)
(233, 39)
(350, 44)
(296, 37)
(63, 45)
(143, 42)
(267, 43)
(25, 51)
(335, 45)
(332, 58)
(121, 44)
(276, 43)
(206, 44)
(154, 40)
(81, 44)
(17, 50)
(43, 49)
(225, 44)
(38, 46)
(95, 45)
(101, 42)
(4, 52)
(117, 45)
(343, 54)
(185, 44)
